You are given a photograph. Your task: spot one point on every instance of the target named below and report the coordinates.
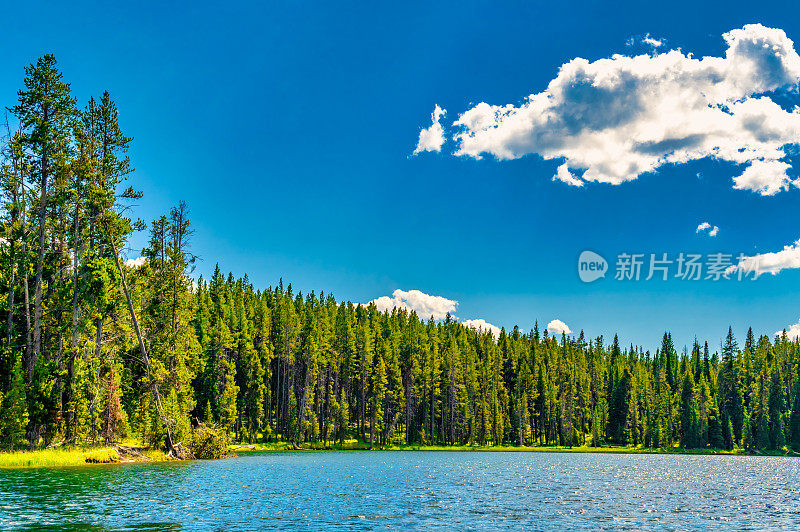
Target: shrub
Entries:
(209, 443)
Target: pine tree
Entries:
(619, 408)
(794, 420)
(378, 384)
(777, 406)
(688, 414)
(14, 415)
(731, 402)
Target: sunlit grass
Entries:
(58, 457)
(73, 456)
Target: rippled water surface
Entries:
(411, 491)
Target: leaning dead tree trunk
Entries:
(146, 359)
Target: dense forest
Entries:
(96, 349)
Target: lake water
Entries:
(411, 491)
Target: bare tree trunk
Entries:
(28, 332)
(37, 313)
(74, 343)
(145, 359)
(12, 241)
(24, 268)
(11, 287)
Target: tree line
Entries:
(95, 350)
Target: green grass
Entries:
(69, 457)
(58, 457)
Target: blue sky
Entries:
(289, 130)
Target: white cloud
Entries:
(558, 327)
(614, 119)
(563, 174)
(135, 263)
(712, 230)
(424, 305)
(432, 138)
(792, 332)
(773, 262)
(483, 326)
(765, 177)
(652, 41)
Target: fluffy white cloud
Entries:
(652, 41)
(773, 262)
(432, 138)
(424, 305)
(482, 325)
(558, 327)
(792, 332)
(614, 119)
(713, 230)
(767, 177)
(563, 174)
(135, 263)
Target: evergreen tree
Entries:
(794, 420)
(14, 415)
(688, 413)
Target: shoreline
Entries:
(285, 447)
(88, 456)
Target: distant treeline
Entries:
(94, 350)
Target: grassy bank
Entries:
(72, 456)
(81, 456)
(360, 446)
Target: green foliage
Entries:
(209, 443)
(101, 283)
(14, 412)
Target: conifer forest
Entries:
(96, 348)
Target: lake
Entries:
(412, 490)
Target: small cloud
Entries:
(793, 332)
(773, 262)
(558, 327)
(712, 230)
(765, 177)
(426, 306)
(652, 41)
(135, 263)
(482, 325)
(563, 174)
(432, 138)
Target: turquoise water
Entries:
(411, 491)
